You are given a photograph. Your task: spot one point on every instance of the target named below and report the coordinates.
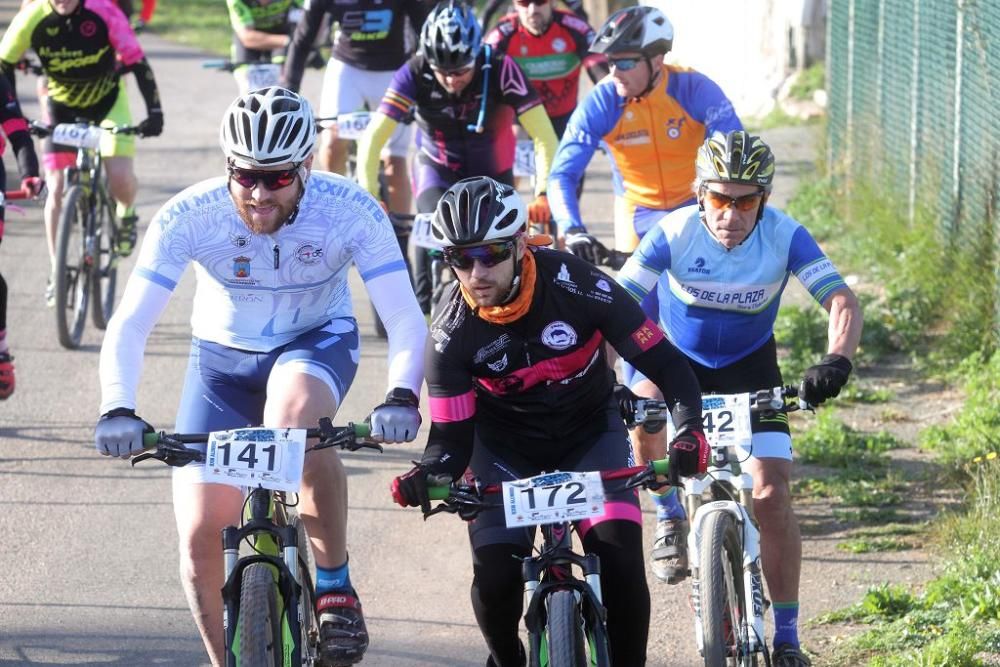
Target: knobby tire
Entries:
(723, 605)
(564, 629)
(72, 272)
(105, 278)
(259, 623)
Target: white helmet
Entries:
(267, 127)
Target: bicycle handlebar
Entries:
(468, 499)
(42, 130)
(762, 401)
(17, 194)
(170, 448)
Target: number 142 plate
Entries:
(553, 497)
(267, 457)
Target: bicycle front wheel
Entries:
(564, 629)
(723, 605)
(73, 269)
(105, 278)
(258, 636)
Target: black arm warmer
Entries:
(669, 370)
(27, 160)
(147, 85)
(449, 448)
(7, 69)
(301, 44)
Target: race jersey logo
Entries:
(239, 240)
(674, 126)
(491, 349)
(512, 79)
(558, 44)
(559, 335)
(307, 253)
(498, 365)
(53, 31)
(563, 276)
(699, 267)
(646, 336)
(241, 267)
(88, 28)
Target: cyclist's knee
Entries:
(496, 572)
(772, 502)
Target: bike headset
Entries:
(450, 39)
(478, 210)
(641, 29)
(268, 127)
(736, 157)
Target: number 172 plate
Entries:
(553, 497)
(267, 457)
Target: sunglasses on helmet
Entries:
(272, 180)
(719, 201)
(488, 255)
(623, 64)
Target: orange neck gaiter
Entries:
(509, 312)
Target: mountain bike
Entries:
(564, 614)
(269, 595)
(727, 592)
(86, 263)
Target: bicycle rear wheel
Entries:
(723, 605)
(74, 267)
(105, 278)
(564, 629)
(259, 631)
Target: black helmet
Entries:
(451, 36)
(477, 210)
(737, 157)
(639, 29)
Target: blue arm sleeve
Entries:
(704, 100)
(587, 126)
(642, 270)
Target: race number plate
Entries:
(267, 457)
(263, 75)
(421, 235)
(352, 125)
(553, 497)
(726, 418)
(524, 158)
(77, 135)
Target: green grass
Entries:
(808, 82)
(200, 23)
(832, 443)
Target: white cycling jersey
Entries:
(259, 291)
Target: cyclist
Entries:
(727, 260)
(368, 48)
(551, 46)
(87, 84)
(275, 341)
(652, 117)
(493, 6)
(261, 34)
(15, 127)
(464, 96)
(519, 383)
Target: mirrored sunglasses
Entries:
(488, 255)
(623, 64)
(272, 180)
(717, 200)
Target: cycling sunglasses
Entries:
(623, 64)
(272, 180)
(719, 201)
(457, 72)
(488, 255)
(526, 3)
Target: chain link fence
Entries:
(914, 90)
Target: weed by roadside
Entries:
(201, 23)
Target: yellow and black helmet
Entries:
(736, 157)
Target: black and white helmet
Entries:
(267, 127)
(478, 210)
(451, 36)
(736, 157)
(638, 29)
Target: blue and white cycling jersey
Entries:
(719, 305)
(257, 292)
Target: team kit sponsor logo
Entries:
(559, 335)
(308, 253)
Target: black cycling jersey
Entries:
(371, 33)
(542, 382)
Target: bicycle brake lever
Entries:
(364, 444)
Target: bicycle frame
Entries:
(551, 570)
(725, 474)
(276, 544)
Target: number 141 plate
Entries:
(267, 457)
(553, 497)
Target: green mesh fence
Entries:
(914, 99)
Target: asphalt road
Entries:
(90, 571)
